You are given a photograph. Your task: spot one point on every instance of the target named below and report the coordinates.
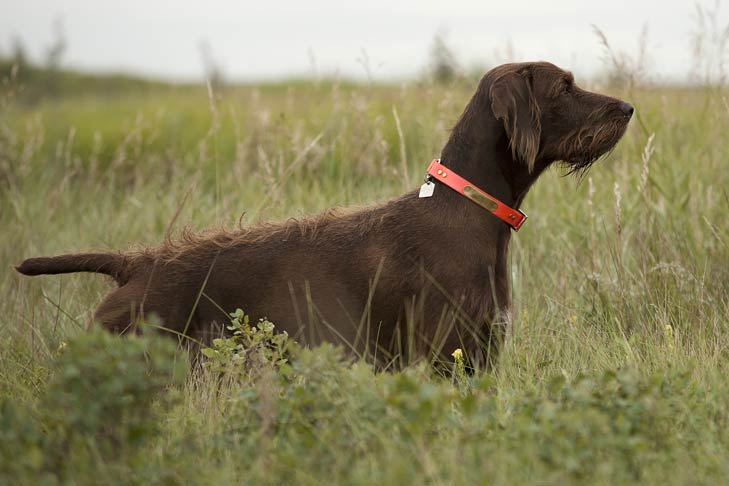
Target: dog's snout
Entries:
(627, 109)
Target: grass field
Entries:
(615, 370)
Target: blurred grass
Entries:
(626, 270)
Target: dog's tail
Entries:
(111, 264)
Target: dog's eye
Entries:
(567, 88)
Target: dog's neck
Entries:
(478, 150)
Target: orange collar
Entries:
(512, 217)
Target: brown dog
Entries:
(414, 275)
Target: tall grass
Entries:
(614, 370)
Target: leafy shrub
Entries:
(307, 406)
(105, 392)
(22, 444)
(611, 424)
(294, 414)
(616, 420)
(249, 348)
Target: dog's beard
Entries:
(586, 146)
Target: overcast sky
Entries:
(267, 39)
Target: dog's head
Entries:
(548, 118)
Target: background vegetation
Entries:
(615, 369)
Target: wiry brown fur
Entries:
(406, 278)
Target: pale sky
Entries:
(271, 39)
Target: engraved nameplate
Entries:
(471, 193)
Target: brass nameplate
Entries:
(471, 193)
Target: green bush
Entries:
(101, 410)
(611, 424)
(109, 393)
(617, 420)
(248, 348)
(23, 445)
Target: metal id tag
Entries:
(426, 190)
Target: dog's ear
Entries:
(512, 102)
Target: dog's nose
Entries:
(627, 109)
